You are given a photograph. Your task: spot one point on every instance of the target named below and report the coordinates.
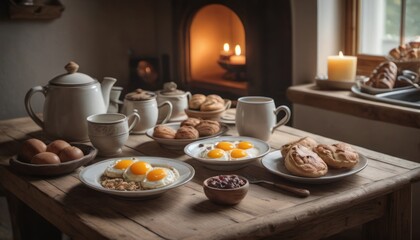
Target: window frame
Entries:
(366, 63)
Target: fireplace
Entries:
(261, 28)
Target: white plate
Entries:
(194, 149)
(228, 116)
(179, 144)
(91, 175)
(274, 162)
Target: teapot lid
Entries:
(140, 95)
(72, 77)
(170, 88)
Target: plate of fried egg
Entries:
(227, 153)
(137, 177)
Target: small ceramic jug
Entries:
(178, 98)
(148, 108)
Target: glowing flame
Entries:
(226, 47)
(237, 50)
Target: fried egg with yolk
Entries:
(117, 168)
(215, 154)
(250, 149)
(159, 177)
(137, 171)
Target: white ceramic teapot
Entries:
(178, 98)
(69, 99)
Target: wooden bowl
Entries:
(55, 169)
(210, 115)
(226, 196)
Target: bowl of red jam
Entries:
(226, 189)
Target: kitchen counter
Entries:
(379, 197)
(346, 102)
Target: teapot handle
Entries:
(28, 105)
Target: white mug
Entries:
(148, 110)
(108, 132)
(256, 117)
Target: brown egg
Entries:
(70, 153)
(56, 146)
(30, 148)
(45, 158)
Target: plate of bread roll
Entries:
(177, 135)
(307, 161)
(207, 107)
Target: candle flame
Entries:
(237, 50)
(226, 47)
(340, 54)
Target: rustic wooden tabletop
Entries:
(378, 197)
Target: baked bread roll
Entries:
(186, 132)
(211, 105)
(190, 122)
(207, 128)
(339, 155)
(301, 161)
(216, 98)
(196, 101)
(305, 141)
(161, 131)
(384, 76)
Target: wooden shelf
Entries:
(37, 10)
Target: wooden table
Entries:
(378, 197)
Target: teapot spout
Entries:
(106, 87)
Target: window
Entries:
(385, 24)
(373, 28)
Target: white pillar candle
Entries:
(237, 59)
(342, 68)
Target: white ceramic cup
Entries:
(108, 132)
(256, 116)
(148, 110)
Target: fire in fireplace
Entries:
(201, 27)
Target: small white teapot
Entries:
(178, 98)
(69, 99)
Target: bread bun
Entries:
(339, 155)
(208, 127)
(186, 132)
(196, 101)
(301, 161)
(190, 122)
(305, 141)
(161, 131)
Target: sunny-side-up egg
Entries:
(117, 168)
(159, 177)
(137, 171)
(215, 154)
(250, 149)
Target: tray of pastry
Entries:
(178, 135)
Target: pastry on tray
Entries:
(208, 128)
(186, 132)
(162, 131)
(190, 122)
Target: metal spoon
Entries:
(405, 79)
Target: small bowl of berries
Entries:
(226, 189)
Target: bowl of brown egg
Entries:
(55, 158)
(226, 189)
(209, 107)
